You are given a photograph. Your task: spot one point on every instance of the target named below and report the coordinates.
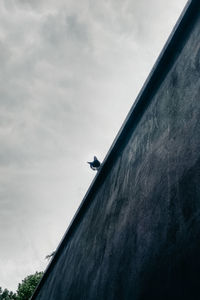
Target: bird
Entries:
(95, 164)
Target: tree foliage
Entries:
(26, 288)
(7, 295)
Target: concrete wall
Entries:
(139, 234)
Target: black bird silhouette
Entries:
(94, 165)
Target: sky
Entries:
(69, 74)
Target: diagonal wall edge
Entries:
(163, 65)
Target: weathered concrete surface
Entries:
(139, 237)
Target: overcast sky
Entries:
(70, 72)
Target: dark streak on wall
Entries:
(137, 233)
